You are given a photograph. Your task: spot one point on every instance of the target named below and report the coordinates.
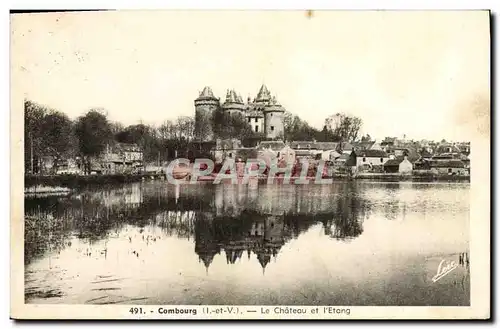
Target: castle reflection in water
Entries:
(234, 220)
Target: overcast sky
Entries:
(407, 73)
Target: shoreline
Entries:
(38, 184)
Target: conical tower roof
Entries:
(207, 259)
(264, 259)
(206, 93)
(263, 95)
(233, 97)
(233, 101)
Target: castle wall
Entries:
(274, 124)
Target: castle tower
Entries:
(205, 105)
(274, 119)
(234, 103)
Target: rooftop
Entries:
(394, 162)
(206, 93)
(273, 145)
(373, 153)
(304, 145)
(264, 95)
(454, 163)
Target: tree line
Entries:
(337, 128)
(49, 132)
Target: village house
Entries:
(328, 151)
(371, 158)
(387, 143)
(363, 146)
(423, 162)
(464, 147)
(271, 150)
(226, 148)
(305, 149)
(70, 166)
(399, 165)
(400, 152)
(448, 149)
(376, 146)
(448, 167)
(118, 158)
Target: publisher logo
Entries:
(445, 267)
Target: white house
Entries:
(371, 158)
(405, 167)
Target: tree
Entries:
(344, 128)
(297, 129)
(186, 127)
(226, 125)
(57, 134)
(93, 132)
(33, 136)
(366, 138)
(134, 134)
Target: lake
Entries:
(348, 243)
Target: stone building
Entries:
(264, 114)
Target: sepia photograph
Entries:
(250, 164)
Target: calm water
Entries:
(350, 243)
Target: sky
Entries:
(412, 73)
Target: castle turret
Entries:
(233, 103)
(274, 119)
(205, 105)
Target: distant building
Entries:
(70, 166)
(448, 167)
(119, 158)
(399, 165)
(371, 158)
(274, 150)
(226, 148)
(264, 114)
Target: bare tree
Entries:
(343, 127)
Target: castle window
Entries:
(272, 128)
(381, 159)
(271, 114)
(364, 159)
(256, 119)
(256, 129)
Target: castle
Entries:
(264, 114)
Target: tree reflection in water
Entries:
(231, 219)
